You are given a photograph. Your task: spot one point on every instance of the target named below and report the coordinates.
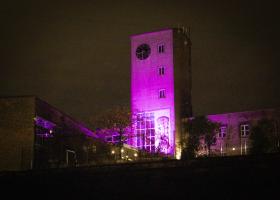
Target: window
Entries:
(161, 48)
(145, 130)
(222, 132)
(93, 149)
(143, 51)
(162, 93)
(244, 130)
(161, 71)
(116, 139)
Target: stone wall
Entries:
(16, 133)
(233, 143)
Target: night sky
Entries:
(76, 54)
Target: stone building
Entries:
(160, 88)
(233, 136)
(34, 134)
(161, 85)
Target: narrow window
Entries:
(222, 132)
(244, 130)
(162, 93)
(93, 148)
(161, 48)
(161, 71)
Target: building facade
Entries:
(35, 135)
(233, 135)
(160, 88)
(161, 84)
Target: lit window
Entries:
(146, 131)
(161, 48)
(161, 71)
(162, 94)
(93, 148)
(244, 130)
(116, 138)
(222, 132)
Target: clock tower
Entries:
(160, 89)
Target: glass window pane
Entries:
(152, 140)
(152, 148)
(148, 124)
(152, 124)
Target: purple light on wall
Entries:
(146, 82)
(39, 121)
(234, 143)
(46, 125)
(86, 131)
(49, 126)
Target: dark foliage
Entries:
(197, 128)
(264, 137)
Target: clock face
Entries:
(143, 51)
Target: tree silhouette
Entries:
(264, 138)
(117, 119)
(197, 128)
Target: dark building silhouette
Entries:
(34, 134)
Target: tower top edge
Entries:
(152, 32)
(174, 30)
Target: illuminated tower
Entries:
(160, 88)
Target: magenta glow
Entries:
(146, 84)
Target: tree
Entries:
(210, 134)
(117, 119)
(197, 128)
(264, 137)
